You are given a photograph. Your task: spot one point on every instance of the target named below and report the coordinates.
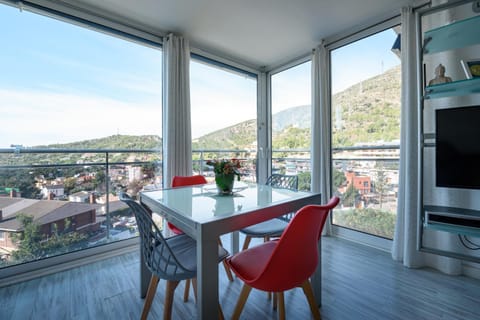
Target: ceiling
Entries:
(258, 33)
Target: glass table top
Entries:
(202, 203)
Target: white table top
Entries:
(201, 204)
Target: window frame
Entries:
(333, 44)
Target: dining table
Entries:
(204, 214)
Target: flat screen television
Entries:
(457, 155)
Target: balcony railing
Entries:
(88, 179)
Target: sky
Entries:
(63, 83)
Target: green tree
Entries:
(380, 182)
(69, 184)
(304, 181)
(32, 245)
(99, 180)
(338, 178)
(350, 196)
(28, 241)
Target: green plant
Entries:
(225, 166)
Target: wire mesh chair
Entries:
(172, 259)
(273, 227)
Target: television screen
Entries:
(457, 155)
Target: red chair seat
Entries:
(173, 228)
(242, 262)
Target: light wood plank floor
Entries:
(358, 283)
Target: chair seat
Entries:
(242, 265)
(173, 228)
(271, 228)
(185, 249)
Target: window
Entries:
(224, 117)
(366, 133)
(291, 123)
(69, 93)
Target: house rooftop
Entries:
(42, 211)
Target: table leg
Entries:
(235, 242)
(207, 277)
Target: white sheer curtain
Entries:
(177, 133)
(409, 204)
(321, 136)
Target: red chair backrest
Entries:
(181, 181)
(295, 257)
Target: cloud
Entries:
(38, 117)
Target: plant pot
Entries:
(224, 183)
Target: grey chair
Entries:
(272, 228)
(173, 259)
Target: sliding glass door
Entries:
(365, 102)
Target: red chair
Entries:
(182, 181)
(280, 265)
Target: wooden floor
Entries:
(358, 283)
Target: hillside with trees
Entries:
(367, 112)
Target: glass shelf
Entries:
(453, 36)
(468, 231)
(456, 88)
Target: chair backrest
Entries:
(158, 256)
(180, 181)
(295, 257)
(283, 181)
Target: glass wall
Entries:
(291, 123)
(224, 117)
(366, 83)
(81, 118)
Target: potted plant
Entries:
(225, 171)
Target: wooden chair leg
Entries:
(186, 293)
(220, 313)
(281, 305)
(241, 301)
(167, 307)
(194, 286)
(228, 271)
(307, 289)
(246, 243)
(152, 289)
(225, 265)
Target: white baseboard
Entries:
(23, 272)
(471, 270)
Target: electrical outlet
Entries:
(476, 6)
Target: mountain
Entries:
(239, 136)
(292, 117)
(112, 142)
(367, 112)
